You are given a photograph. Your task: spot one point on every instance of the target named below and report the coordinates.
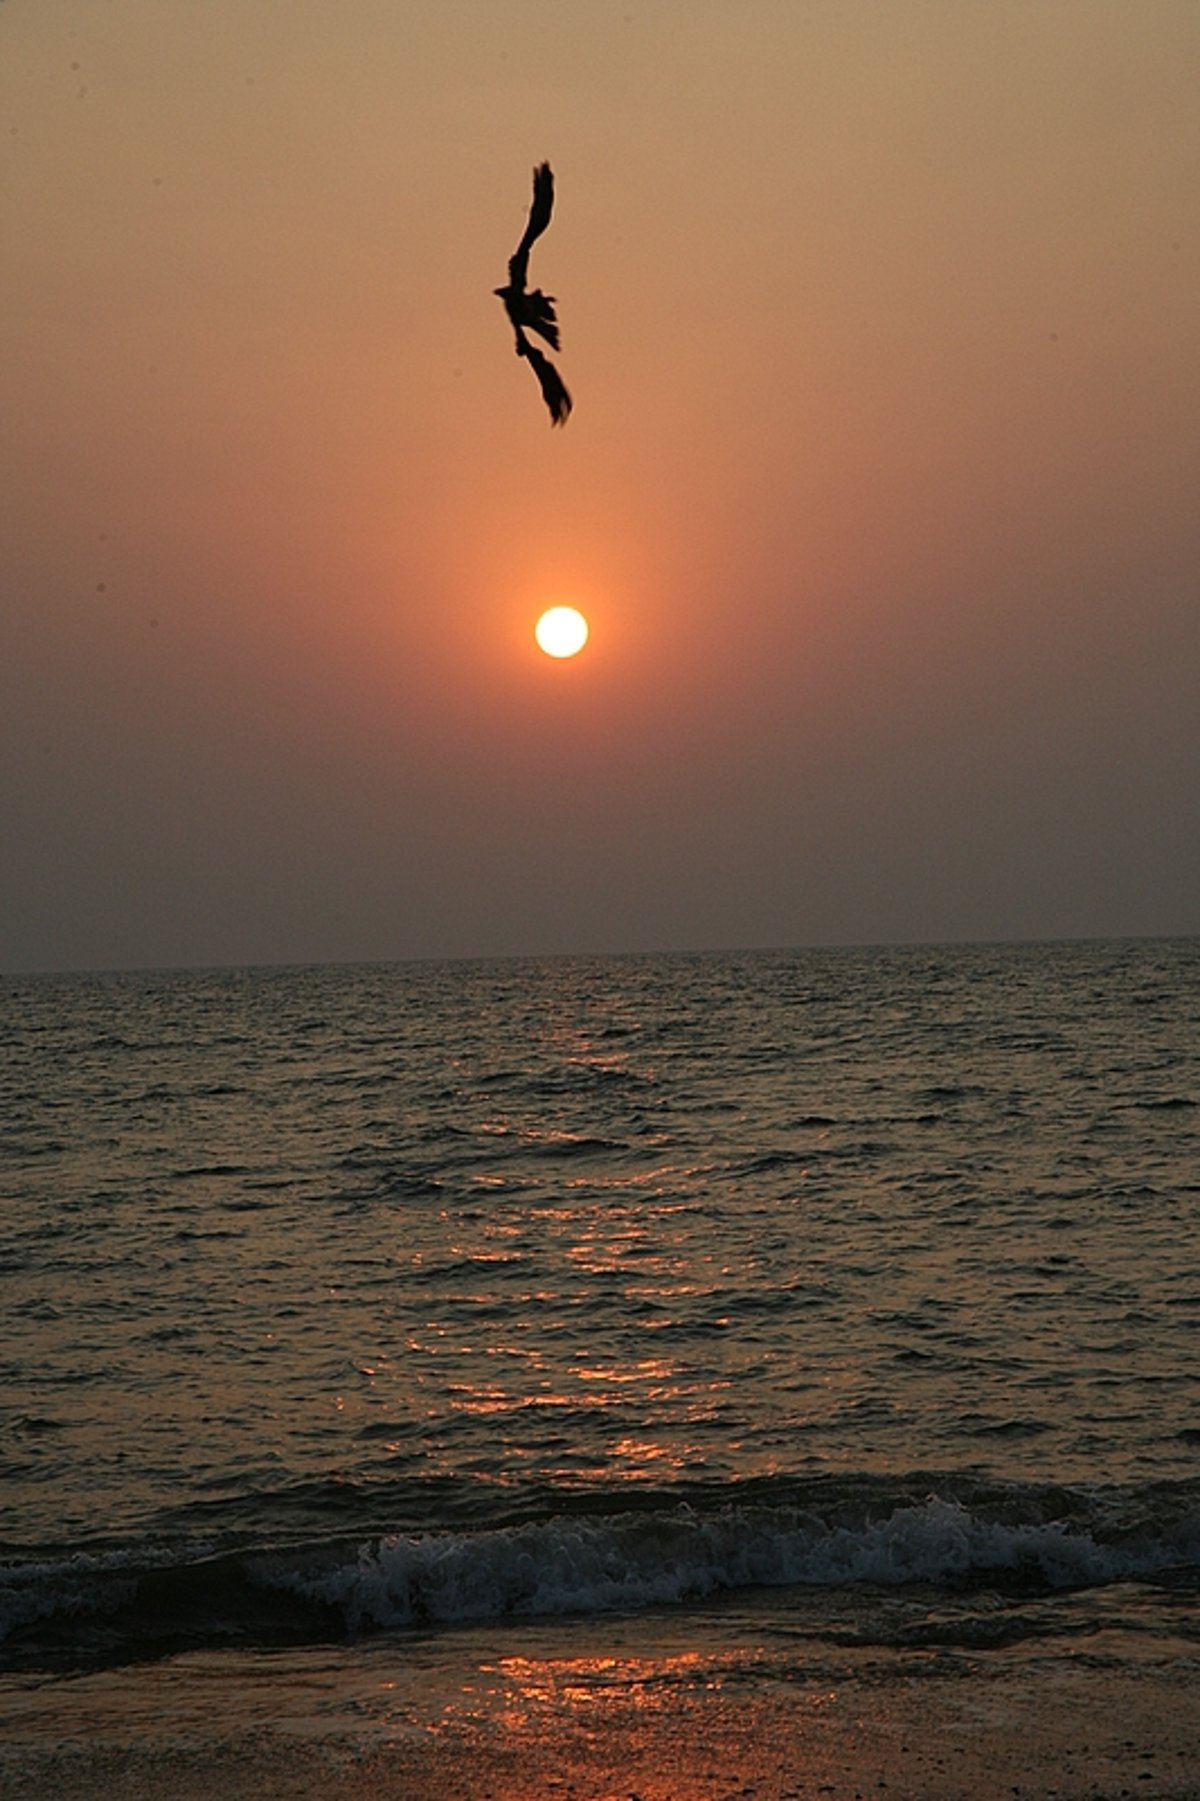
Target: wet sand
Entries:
(1069, 1733)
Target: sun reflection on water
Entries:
(518, 1688)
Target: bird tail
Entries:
(540, 316)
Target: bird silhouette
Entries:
(529, 310)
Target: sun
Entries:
(561, 632)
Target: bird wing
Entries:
(554, 391)
(539, 218)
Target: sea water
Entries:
(835, 1302)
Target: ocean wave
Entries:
(145, 1601)
(594, 1565)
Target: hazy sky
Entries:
(881, 491)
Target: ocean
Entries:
(374, 1336)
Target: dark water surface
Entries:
(859, 1289)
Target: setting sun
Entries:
(561, 632)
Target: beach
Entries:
(1070, 1733)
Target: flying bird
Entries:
(529, 310)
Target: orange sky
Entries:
(880, 491)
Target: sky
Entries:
(881, 492)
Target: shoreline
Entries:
(1071, 1731)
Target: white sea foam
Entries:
(600, 1564)
(141, 1601)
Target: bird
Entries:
(529, 310)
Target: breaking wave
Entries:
(140, 1602)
